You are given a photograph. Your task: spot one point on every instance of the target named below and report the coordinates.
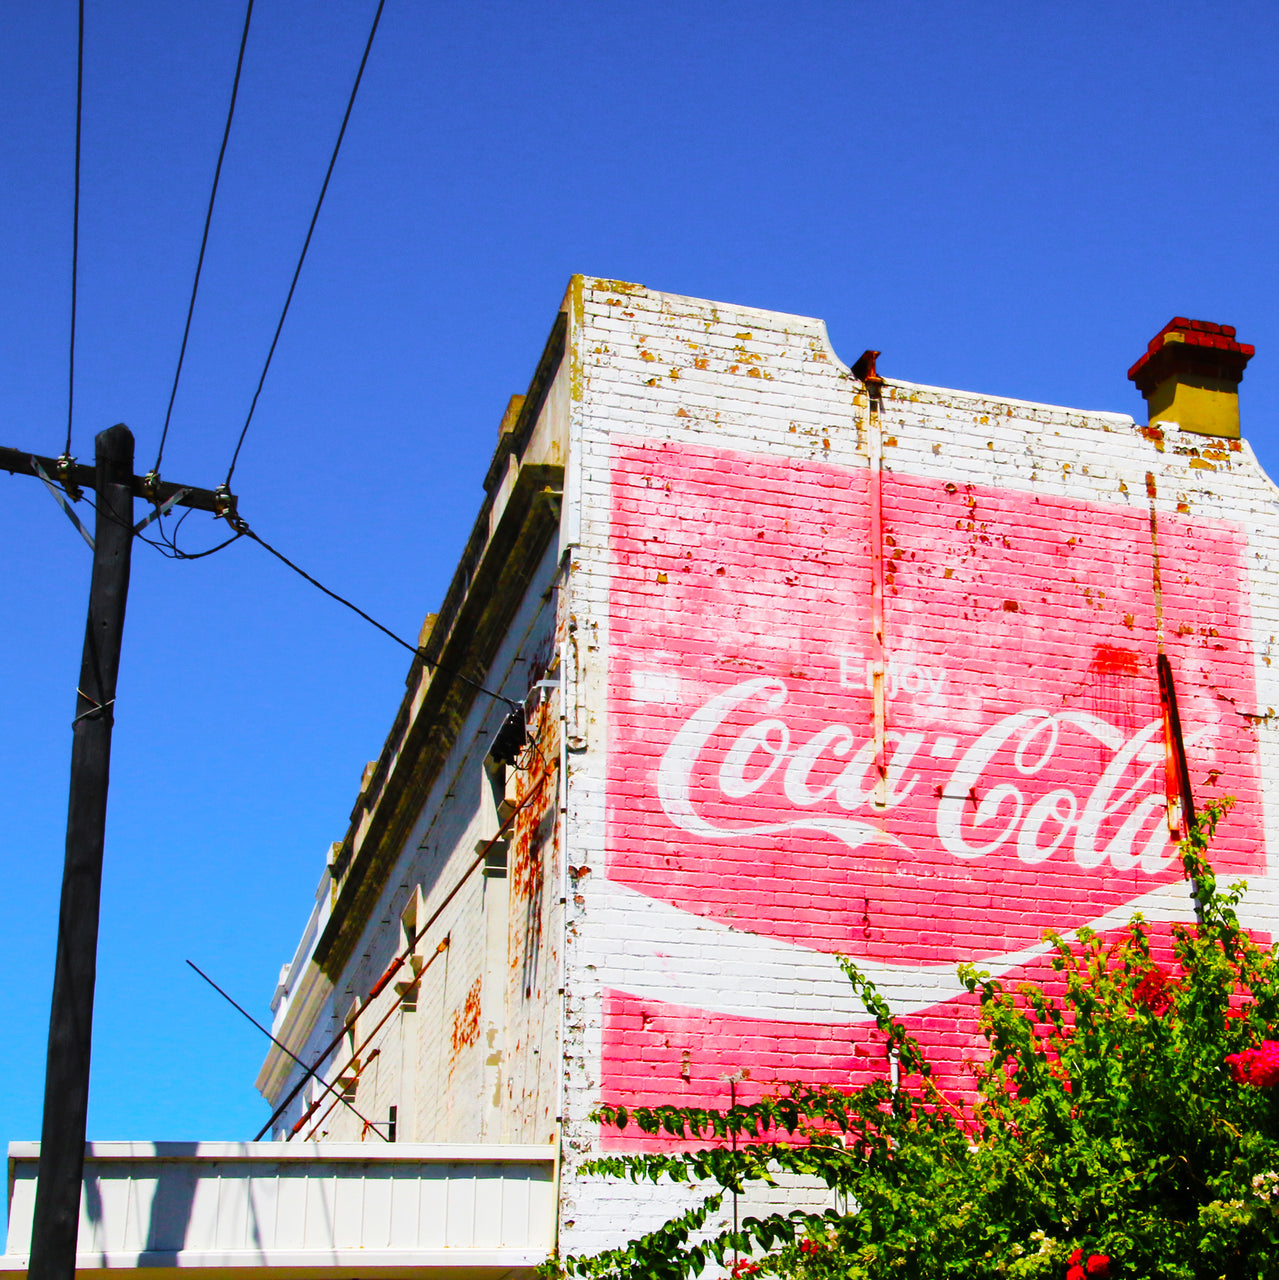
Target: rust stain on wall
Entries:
(466, 1020)
(534, 833)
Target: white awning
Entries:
(333, 1210)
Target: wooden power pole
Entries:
(66, 1088)
(66, 1080)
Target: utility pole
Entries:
(66, 1089)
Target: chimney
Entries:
(1190, 375)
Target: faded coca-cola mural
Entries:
(785, 788)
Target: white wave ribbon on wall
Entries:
(677, 957)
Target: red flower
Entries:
(744, 1267)
(1265, 1066)
(1096, 1268)
(1238, 1063)
(809, 1246)
(1257, 1067)
(1151, 992)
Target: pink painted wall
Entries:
(1024, 744)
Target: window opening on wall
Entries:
(497, 809)
(407, 987)
(409, 918)
(499, 785)
(334, 1015)
(349, 1072)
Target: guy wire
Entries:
(337, 1093)
(380, 985)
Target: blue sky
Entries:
(1002, 198)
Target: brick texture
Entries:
(826, 682)
(746, 528)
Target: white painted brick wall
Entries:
(659, 372)
(449, 1078)
(753, 425)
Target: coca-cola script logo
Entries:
(1016, 782)
(977, 814)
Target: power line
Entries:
(204, 240)
(75, 228)
(166, 544)
(279, 555)
(242, 528)
(306, 244)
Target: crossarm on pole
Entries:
(20, 463)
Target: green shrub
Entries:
(1124, 1124)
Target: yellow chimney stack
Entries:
(1190, 376)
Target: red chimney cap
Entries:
(1194, 347)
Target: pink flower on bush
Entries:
(1257, 1067)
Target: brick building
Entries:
(813, 663)
(808, 661)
